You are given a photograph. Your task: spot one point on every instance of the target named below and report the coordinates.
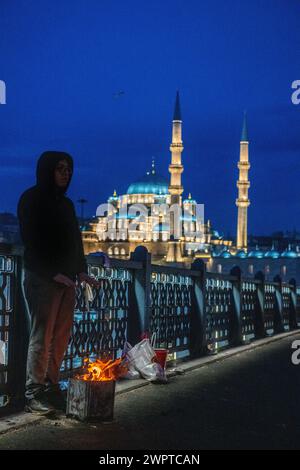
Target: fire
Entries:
(99, 371)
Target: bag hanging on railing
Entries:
(88, 293)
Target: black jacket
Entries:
(48, 224)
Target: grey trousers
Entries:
(51, 308)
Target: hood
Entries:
(45, 171)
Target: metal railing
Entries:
(191, 312)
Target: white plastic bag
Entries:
(141, 354)
(132, 372)
(88, 293)
(140, 358)
(153, 372)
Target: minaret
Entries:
(175, 187)
(176, 147)
(243, 185)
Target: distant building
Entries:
(9, 228)
(270, 262)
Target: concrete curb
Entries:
(17, 421)
(22, 419)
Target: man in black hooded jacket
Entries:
(53, 261)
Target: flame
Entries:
(100, 371)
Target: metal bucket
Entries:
(91, 400)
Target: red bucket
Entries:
(161, 356)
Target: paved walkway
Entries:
(247, 401)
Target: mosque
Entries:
(115, 234)
(150, 198)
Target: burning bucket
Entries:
(91, 395)
(161, 356)
(90, 401)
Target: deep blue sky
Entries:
(63, 61)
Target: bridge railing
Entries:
(190, 311)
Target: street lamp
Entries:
(82, 201)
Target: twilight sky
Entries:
(64, 62)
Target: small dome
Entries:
(216, 253)
(257, 253)
(272, 253)
(225, 254)
(151, 183)
(241, 254)
(289, 253)
(85, 228)
(114, 197)
(189, 200)
(216, 235)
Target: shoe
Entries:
(57, 399)
(39, 406)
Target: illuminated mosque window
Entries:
(219, 268)
(250, 269)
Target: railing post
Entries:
(236, 330)
(259, 321)
(18, 343)
(297, 295)
(293, 305)
(278, 314)
(140, 296)
(198, 314)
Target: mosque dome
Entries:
(241, 254)
(149, 184)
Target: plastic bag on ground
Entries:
(154, 373)
(140, 358)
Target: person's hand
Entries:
(62, 279)
(84, 277)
